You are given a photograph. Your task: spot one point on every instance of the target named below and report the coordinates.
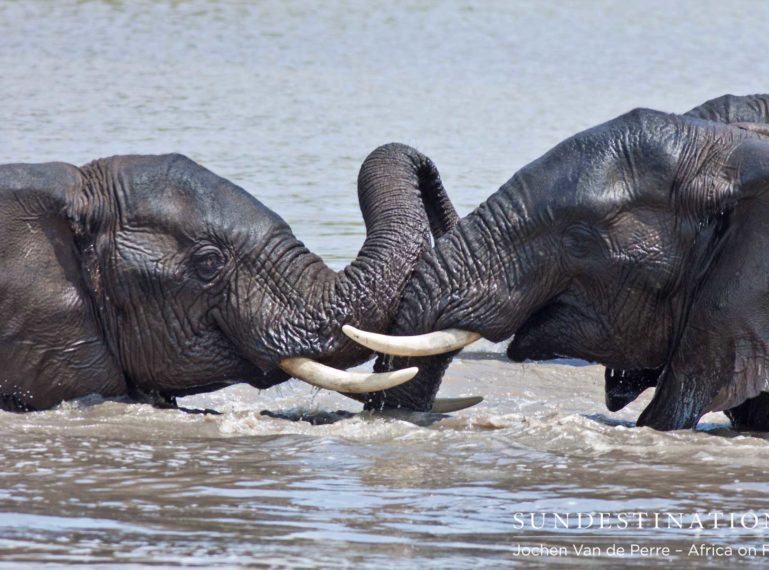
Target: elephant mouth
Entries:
(262, 380)
(532, 341)
(263, 370)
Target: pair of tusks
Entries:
(428, 344)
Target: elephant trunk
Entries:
(402, 199)
(487, 276)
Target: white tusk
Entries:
(329, 378)
(428, 344)
(448, 405)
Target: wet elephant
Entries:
(639, 244)
(151, 277)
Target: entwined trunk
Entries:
(468, 281)
(402, 199)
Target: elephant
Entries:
(638, 244)
(150, 278)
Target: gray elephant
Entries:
(151, 277)
(639, 244)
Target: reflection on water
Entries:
(287, 100)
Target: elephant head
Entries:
(636, 244)
(168, 280)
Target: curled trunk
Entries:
(445, 292)
(402, 200)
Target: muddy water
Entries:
(286, 101)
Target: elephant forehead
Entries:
(591, 182)
(174, 192)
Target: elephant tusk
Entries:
(329, 378)
(429, 344)
(448, 405)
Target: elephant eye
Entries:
(579, 240)
(208, 261)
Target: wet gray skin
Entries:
(624, 245)
(286, 103)
(624, 386)
(153, 278)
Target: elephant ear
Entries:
(52, 346)
(722, 343)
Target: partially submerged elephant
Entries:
(624, 386)
(639, 244)
(151, 277)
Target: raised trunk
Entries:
(402, 199)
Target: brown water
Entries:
(286, 100)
